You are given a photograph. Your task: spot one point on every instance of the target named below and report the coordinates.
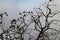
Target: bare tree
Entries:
(45, 31)
(43, 34)
(1, 23)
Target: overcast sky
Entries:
(19, 3)
(13, 7)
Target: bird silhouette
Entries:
(50, 0)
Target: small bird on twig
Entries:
(51, 0)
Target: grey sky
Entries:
(13, 7)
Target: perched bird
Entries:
(24, 12)
(19, 13)
(6, 13)
(50, 0)
(14, 20)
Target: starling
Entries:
(29, 12)
(19, 13)
(24, 12)
(50, 0)
(18, 18)
(5, 12)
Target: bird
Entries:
(50, 0)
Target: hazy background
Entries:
(13, 7)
